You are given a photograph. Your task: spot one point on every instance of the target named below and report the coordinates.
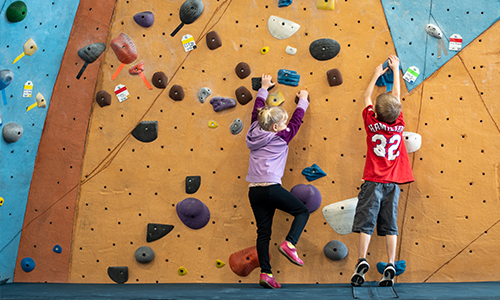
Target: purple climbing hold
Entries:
(145, 18)
(193, 213)
(221, 103)
(307, 194)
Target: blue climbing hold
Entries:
(399, 264)
(288, 77)
(387, 79)
(27, 264)
(284, 3)
(57, 249)
(313, 172)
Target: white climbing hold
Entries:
(291, 50)
(281, 28)
(340, 215)
(412, 140)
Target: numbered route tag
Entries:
(188, 42)
(455, 42)
(122, 92)
(411, 74)
(28, 89)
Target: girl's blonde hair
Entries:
(270, 115)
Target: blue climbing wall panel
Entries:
(407, 21)
(48, 23)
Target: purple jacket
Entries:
(269, 150)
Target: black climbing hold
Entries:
(236, 127)
(176, 93)
(324, 49)
(213, 40)
(242, 70)
(243, 95)
(118, 274)
(146, 131)
(144, 254)
(297, 99)
(188, 13)
(257, 84)
(192, 184)
(160, 80)
(335, 250)
(157, 231)
(89, 54)
(334, 77)
(103, 98)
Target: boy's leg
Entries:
(364, 242)
(390, 243)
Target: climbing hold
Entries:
(1, 201)
(221, 103)
(213, 124)
(188, 42)
(244, 261)
(103, 98)
(28, 49)
(188, 13)
(146, 131)
(325, 4)
(307, 194)
(192, 184)
(288, 77)
(284, 3)
(291, 50)
(257, 84)
(313, 172)
(28, 264)
(236, 127)
(6, 77)
(40, 100)
(219, 263)
(400, 266)
(125, 51)
(157, 231)
(281, 28)
(203, 93)
(17, 11)
(12, 132)
(242, 70)
(193, 213)
(213, 40)
(335, 250)
(89, 54)
(57, 249)
(340, 215)
(386, 79)
(324, 49)
(138, 70)
(334, 77)
(144, 19)
(434, 31)
(264, 50)
(275, 99)
(182, 271)
(144, 254)
(176, 92)
(159, 80)
(412, 140)
(118, 274)
(297, 102)
(243, 95)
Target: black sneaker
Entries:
(358, 278)
(388, 278)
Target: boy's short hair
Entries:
(387, 107)
(270, 115)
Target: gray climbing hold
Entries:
(146, 131)
(213, 40)
(324, 49)
(203, 93)
(335, 250)
(157, 231)
(144, 254)
(188, 13)
(243, 95)
(236, 127)
(118, 274)
(221, 103)
(12, 132)
(192, 184)
(89, 54)
(334, 77)
(103, 98)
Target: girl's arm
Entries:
(296, 119)
(259, 102)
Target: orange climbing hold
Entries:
(243, 262)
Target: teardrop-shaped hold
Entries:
(144, 19)
(264, 50)
(243, 95)
(188, 13)
(281, 28)
(139, 68)
(103, 98)
(157, 231)
(6, 77)
(334, 77)
(324, 49)
(176, 93)
(118, 274)
(219, 263)
(193, 213)
(203, 93)
(57, 249)
(144, 254)
(242, 70)
(124, 48)
(182, 271)
(12, 132)
(91, 53)
(236, 127)
(275, 99)
(212, 124)
(28, 264)
(213, 40)
(146, 131)
(160, 80)
(335, 250)
(325, 4)
(17, 11)
(192, 184)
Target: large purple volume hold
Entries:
(193, 213)
(144, 19)
(307, 194)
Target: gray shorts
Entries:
(377, 204)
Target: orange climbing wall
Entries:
(126, 184)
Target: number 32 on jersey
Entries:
(392, 151)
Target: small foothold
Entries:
(203, 93)
(288, 77)
(335, 250)
(139, 68)
(17, 11)
(146, 131)
(243, 95)
(159, 80)
(291, 50)
(6, 77)
(176, 92)
(182, 271)
(30, 47)
(242, 70)
(144, 254)
(334, 77)
(325, 4)
(57, 249)
(192, 184)
(275, 99)
(281, 28)
(124, 48)
(434, 31)
(157, 231)
(307, 194)
(40, 100)
(221, 103)
(412, 140)
(313, 172)
(118, 274)
(144, 19)
(213, 124)
(193, 213)
(236, 127)
(257, 84)
(103, 98)
(213, 40)
(1, 201)
(12, 132)
(284, 3)
(324, 49)
(264, 50)
(219, 263)
(28, 264)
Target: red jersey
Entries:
(386, 158)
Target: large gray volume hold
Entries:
(12, 132)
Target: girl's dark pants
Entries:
(264, 201)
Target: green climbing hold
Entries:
(17, 11)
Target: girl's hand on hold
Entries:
(266, 81)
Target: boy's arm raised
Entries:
(394, 65)
(369, 90)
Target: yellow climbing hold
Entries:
(325, 4)
(182, 271)
(219, 263)
(264, 50)
(275, 99)
(213, 124)
(1, 201)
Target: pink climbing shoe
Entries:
(290, 252)
(267, 281)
